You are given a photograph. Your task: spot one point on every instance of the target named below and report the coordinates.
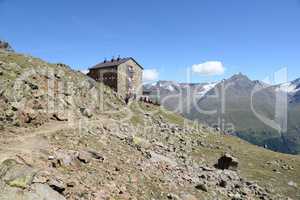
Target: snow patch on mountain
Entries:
(205, 88)
(290, 87)
(198, 89)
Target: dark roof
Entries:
(115, 62)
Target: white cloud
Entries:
(84, 71)
(209, 68)
(150, 75)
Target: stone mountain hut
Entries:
(124, 75)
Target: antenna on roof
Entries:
(119, 58)
(105, 60)
(113, 59)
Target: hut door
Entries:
(110, 79)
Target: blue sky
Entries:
(254, 37)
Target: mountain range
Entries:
(263, 114)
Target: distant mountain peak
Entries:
(5, 46)
(239, 76)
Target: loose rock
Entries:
(202, 186)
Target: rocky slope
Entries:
(64, 136)
(34, 92)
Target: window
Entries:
(130, 71)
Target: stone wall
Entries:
(136, 78)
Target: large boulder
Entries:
(42, 191)
(64, 158)
(86, 112)
(16, 182)
(37, 192)
(15, 174)
(84, 157)
(60, 116)
(87, 156)
(227, 162)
